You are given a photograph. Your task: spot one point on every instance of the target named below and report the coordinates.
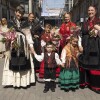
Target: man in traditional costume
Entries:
(51, 59)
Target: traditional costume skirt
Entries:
(37, 47)
(69, 78)
(41, 70)
(21, 77)
(90, 78)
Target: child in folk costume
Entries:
(45, 37)
(50, 60)
(69, 75)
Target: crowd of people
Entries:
(70, 53)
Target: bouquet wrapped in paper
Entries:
(9, 36)
(94, 33)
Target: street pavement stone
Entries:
(35, 92)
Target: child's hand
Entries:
(36, 36)
(63, 65)
(81, 49)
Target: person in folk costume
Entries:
(45, 37)
(3, 30)
(36, 31)
(90, 59)
(56, 37)
(13, 74)
(66, 29)
(51, 59)
(69, 75)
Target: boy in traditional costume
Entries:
(51, 59)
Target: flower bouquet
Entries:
(10, 36)
(57, 37)
(93, 33)
(3, 40)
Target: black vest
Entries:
(49, 61)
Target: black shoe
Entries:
(66, 90)
(53, 89)
(96, 91)
(73, 90)
(45, 90)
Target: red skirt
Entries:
(41, 71)
(90, 78)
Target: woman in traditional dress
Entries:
(90, 59)
(36, 31)
(3, 30)
(66, 29)
(18, 65)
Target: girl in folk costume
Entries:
(66, 28)
(18, 66)
(90, 59)
(3, 30)
(45, 37)
(69, 75)
(50, 60)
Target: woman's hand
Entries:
(97, 27)
(36, 36)
(32, 50)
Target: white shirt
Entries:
(63, 56)
(28, 36)
(41, 58)
(79, 41)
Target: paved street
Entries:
(35, 92)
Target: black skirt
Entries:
(19, 63)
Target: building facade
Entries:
(68, 5)
(31, 6)
(7, 8)
(79, 9)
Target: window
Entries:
(26, 8)
(4, 2)
(4, 13)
